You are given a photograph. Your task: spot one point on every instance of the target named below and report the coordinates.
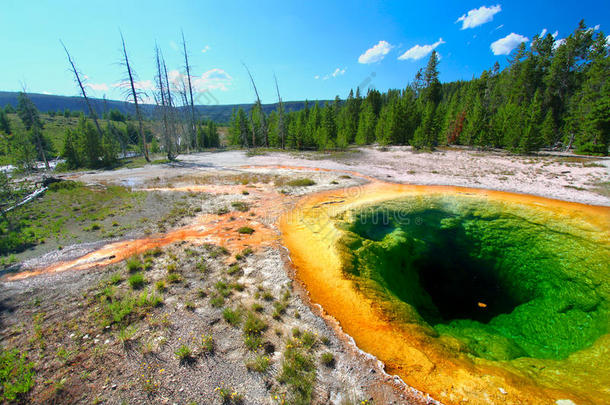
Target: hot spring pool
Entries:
(465, 294)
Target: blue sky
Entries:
(317, 49)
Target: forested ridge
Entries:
(553, 93)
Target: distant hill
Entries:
(217, 113)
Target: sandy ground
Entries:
(357, 376)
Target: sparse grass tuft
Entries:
(259, 363)
(240, 206)
(184, 354)
(328, 359)
(301, 183)
(136, 281)
(232, 316)
(115, 279)
(246, 230)
(16, 374)
(174, 278)
(233, 269)
(207, 344)
(134, 264)
(160, 286)
(298, 372)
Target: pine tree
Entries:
(366, 124)
(5, 124)
(69, 152)
(426, 134)
(548, 130)
(531, 139)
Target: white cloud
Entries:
(376, 53)
(174, 45)
(47, 93)
(213, 79)
(500, 26)
(479, 16)
(97, 86)
(335, 73)
(141, 85)
(339, 72)
(420, 51)
(596, 27)
(543, 33)
(206, 48)
(504, 46)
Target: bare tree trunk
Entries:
(164, 109)
(260, 105)
(135, 101)
(82, 89)
(171, 110)
(182, 91)
(280, 121)
(190, 89)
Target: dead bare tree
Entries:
(135, 97)
(280, 121)
(171, 108)
(187, 67)
(164, 105)
(263, 118)
(81, 85)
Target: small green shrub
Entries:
(217, 301)
(232, 316)
(136, 281)
(253, 342)
(207, 344)
(259, 363)
(160, 286)
(16, 373)
(233, 269)
(298, 371)
(174, 278)
(301, 183)
(222, 211)
(240, 206)
(228, 395)
(246, 230)
(134, 264)
(115, 278)
(254, 325)
(184, 354)
(328, 359)
(151, 300)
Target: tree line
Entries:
(98, 142)
(554, 93)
